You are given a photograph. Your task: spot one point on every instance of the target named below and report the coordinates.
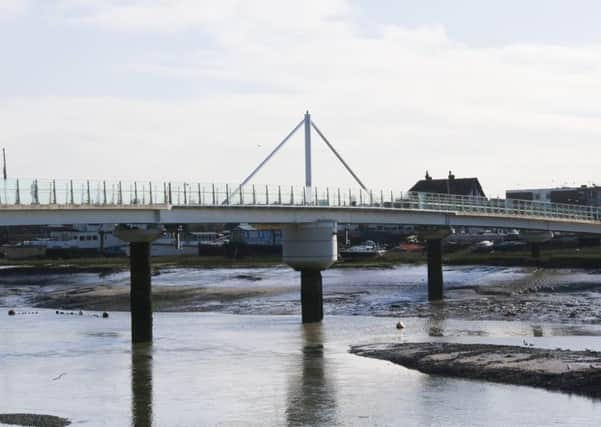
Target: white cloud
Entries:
(395, 103)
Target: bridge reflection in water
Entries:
(311, 393)
(141, 384)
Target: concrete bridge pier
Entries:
(311, 295)
(310, 248)
(535, 250)
(535, 239)
(140, 240)
(435, 282)
(434, 238)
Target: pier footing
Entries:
(311, 296)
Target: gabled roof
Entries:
(460, 186)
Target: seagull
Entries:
(59, 377)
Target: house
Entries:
(450, 185)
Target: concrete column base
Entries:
(140, 292)
(311, 296)
(140, 300)
(435, 282)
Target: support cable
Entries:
(258, 168)
(348, 168)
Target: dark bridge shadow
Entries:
(141, 384)
(311, 396)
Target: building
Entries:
(583, 195)
(450, 185)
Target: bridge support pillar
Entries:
(434, 250)
(140, 301)
(310, 248)
(535, 250)
(311, 296)
(535, 239)
(434, 237)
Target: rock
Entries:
(105, 315)
(11, 312)
(400, 325)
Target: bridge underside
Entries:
(281, 215)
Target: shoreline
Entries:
(575, 372)
(586, 258)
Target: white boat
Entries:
(366, 249)
(483, 246)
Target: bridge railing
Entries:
(82, 193)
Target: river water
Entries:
(219, 368)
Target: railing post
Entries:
(150, 199)
(35, 196)
(213, 193)
(304, 196)
(339, 197)
(199, 194)
(227, 194)
(350, 197)
(54, 191)
(279, 195)
(18, 194)
(328, 196)
(240, 193)
(135, 193)
(185, 194)
(72, 200)
(291, 195)
(315, 191)
(88, 191)
(267, 195)
(371, 198)
(169, 194)
(381, 198)
(119, 193)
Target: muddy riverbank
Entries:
(577, 372)
(471, 292)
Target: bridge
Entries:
(308, 215)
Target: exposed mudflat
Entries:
(35, 420)
(576, 372)
(471, 293)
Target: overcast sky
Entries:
(508, 91)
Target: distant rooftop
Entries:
(450, 185)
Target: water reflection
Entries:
(311, 396)
(141, 384)
(436, 323)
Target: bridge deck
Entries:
(30, 202)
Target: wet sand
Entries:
(165, 298)
(577, 372)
